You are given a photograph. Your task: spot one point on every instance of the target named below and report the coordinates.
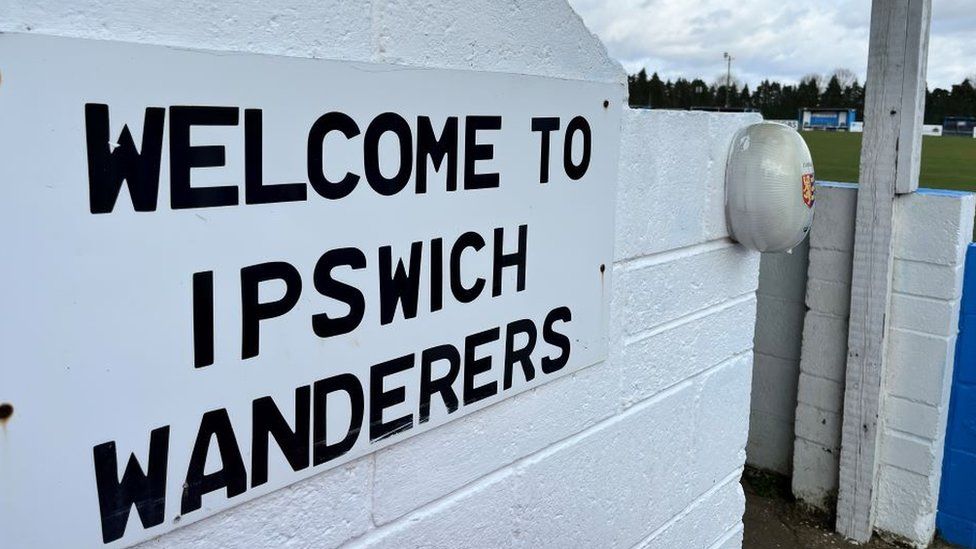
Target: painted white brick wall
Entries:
(823, 358)
(779, 322)
(931, 235)
(644, 449)
(932, 229)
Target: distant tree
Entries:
(960, 100)
(936, 105)
(656, 92)
(720, 80)
(783, 101)
(790, 104)
(745, 98)
(845, 77)
(682, 94)
(638, 88)
(702, 93)
(818, 80)
(833, 95)
(808, 92)
(854, 97)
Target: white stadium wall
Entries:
(644, 449)
(780, 312)
(932, 230)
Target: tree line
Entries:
(777, 101)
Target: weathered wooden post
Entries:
(890, 158)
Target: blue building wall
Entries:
(957, 501)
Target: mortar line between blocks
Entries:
(773, 415)
(782, 299)
(846, 284)
(776, 356)
(912, 401)
(831, 249)
(904, 470)
(732, 477)
(690, 317)
(734, 531)
(372, 490)
(557, 446)
(920, 333)
(376, 28)
(822, 445)
(908, 436)
(821, 377)
(818, 408)
(925, 297)
(674, 254)
(924, 262)
(827, 314)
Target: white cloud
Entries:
(777, 39)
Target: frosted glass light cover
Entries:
(769, 188)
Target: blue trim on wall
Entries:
(956, 519)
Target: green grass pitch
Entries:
(947, 162)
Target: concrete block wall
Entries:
(644, 449)
(781, 309)
(932, 229)
(823, 358)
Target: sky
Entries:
(777, 39)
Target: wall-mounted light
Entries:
(769, 188)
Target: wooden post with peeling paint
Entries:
(890, 159)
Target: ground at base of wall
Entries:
(774, 521)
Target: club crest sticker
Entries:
(808, 181)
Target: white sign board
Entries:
(226, 273)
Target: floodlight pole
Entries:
(890, 159)
(728, 78)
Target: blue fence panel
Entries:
(957, 503)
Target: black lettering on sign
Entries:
(394, 123)
(516, 259)
(322, 451)
(576, 171)
(232, 475)
(521, 355)
(380, 399)
(560, 341)
(109, 166)
(436, 274)
(325, 284)
(183, 157)
(147, 491)
(442, 385)
(253, 311)
(255, 191)
(398, 286)
(474, 151)
(429, 146)
(267, 422)
(474, 365)
(333, 121)
(462, 293)
(203, 319)
(544, 125)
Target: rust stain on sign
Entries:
(6, 411)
